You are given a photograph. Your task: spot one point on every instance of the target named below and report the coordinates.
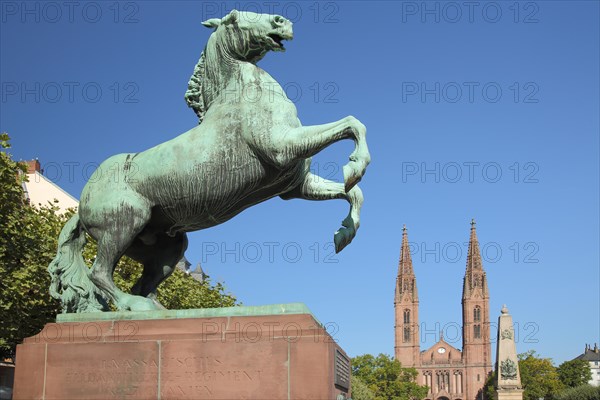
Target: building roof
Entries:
(197, 273)
(41, 190)
(589, 354)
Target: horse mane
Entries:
(209, 77)
(194, 96)
(214, 69)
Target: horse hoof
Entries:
(342, 238)
(139, 303)
(156, 302)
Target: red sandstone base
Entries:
(246, 357)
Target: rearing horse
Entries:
(248, 148)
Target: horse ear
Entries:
(212, 23)
(232, 17)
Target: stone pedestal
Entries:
(508, 379)
(509, 394)
(269, 352)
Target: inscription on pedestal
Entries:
(196, 370)
(82, 373)
(208, 374)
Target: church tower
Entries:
(406, 306)
(476, 352)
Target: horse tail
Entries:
(71, 283)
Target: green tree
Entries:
(583, 392)
(538, 376)
(360, 391)
(489, 387)
(574, 373)
(386, 379)
(28, 242)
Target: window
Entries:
(407, 316)
(477, 314)
(406, 334)
(477, 331)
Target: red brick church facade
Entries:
(450, 373)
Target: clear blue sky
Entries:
(489, 112)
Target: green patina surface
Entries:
(249, 147)
(241, 311)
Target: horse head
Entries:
(240, 36)
(248, 36)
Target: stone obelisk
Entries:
(508, 380)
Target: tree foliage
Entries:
(360, 391)
(385, 379)
(489, 387)
(28, 243)
(538, 376)
(574, 373)
(583, 392)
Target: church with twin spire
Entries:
(450, 373)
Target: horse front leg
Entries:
(315, 187)
(306, 141)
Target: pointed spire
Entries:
(474, 274)
(405, 266)
(473, 255)
(406, 280)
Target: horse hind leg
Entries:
(316, 188)
(306, 141)
(360, 158)
(159, 259)
(115, 234)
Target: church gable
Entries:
(441, 353)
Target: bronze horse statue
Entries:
(249, 147)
